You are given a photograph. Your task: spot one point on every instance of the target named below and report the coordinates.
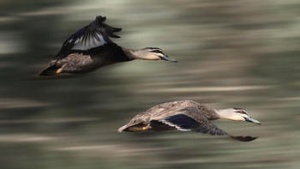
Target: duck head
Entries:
(151, 53)
(238, 114)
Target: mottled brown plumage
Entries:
(185, 115)
(86, 61)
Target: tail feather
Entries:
(49, 71)
(243, 138)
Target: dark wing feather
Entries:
(161, 126)
(94, 35)
(183, 122)
(210, 128)
(179, 122)
(191, 118)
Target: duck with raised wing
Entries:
(91, 48)
(186, 115)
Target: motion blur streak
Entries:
(231, 53)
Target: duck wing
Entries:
(188, 119)
(179, 122)
(183, 122)
(93, 35)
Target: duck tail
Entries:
(243, 138)
(50, 71)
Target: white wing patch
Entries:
(90, 42)
(174, 125)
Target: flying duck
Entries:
(91, 48)
(186, 115)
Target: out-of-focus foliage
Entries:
(231, 53)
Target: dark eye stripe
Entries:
(240, 110)
(152, 48)
(243, 112)
(157, 51)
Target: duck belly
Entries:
(79, 63)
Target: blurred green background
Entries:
(232, 53)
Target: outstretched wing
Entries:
(179, 122)
(191, 119)
(183, 122)
(94, 35)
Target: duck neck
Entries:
(133, 54)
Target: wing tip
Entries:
(114, 35)
(110, 30)
(100, 18)
(117, 29)
(244, 138)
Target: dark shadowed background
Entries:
(232, 53)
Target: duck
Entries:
(187, 115)
(91, 47)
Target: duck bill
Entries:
(166, 58)
(251, 120)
